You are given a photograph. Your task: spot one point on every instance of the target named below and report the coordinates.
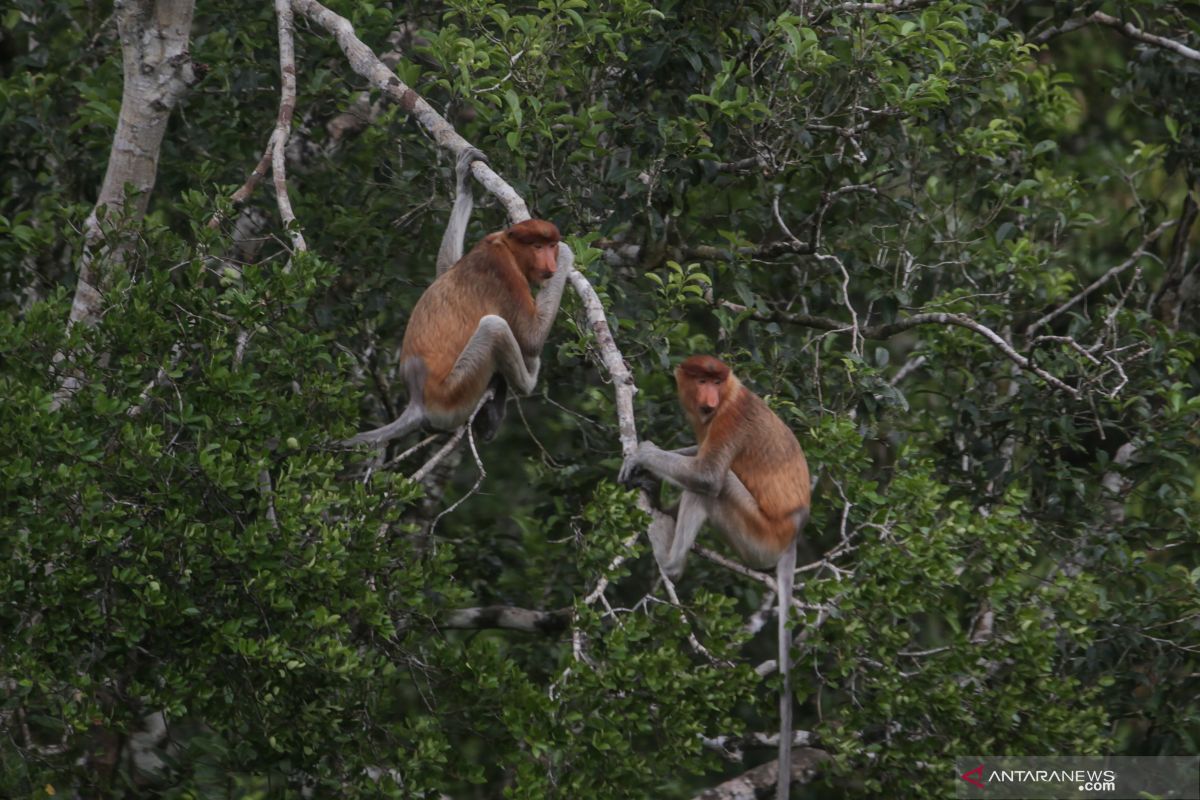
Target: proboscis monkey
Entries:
(748, 476)
(478, 323)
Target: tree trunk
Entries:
(158, 72)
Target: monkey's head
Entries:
(534, 244)
(703, 383)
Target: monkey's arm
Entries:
(532, 333)
(702, 475)
(464, 201)
(550, 295)
(640, 479)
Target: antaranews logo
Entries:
(977, 772)
(1084, 777)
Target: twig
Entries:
(1103, 279)
(480, 475)
(427, 440)
(422, 473)
(910, 366)
(888, 330)
(255, 178)
(761, 577)
(856, 338)
(450, 444)
(669, 585)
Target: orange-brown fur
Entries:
(766, 456)
(494, 278)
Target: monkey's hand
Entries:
(631, 469)
(464, 161)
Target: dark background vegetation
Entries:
(1008, 546)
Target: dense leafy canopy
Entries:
(887, 223)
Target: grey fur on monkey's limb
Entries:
(451, 249)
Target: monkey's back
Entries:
(772, 466)
(446, 317)
(441, 324)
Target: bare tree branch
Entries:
(157, 74)
(283, 123)
(367, 64)
(891, 7)
(1103, 279)
(625, 252)
(888, 330)
(732, 748)
(1126, 28)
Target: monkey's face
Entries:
(538, 260)
(708, 397)
(702, 383)
(700, 396)
(534, 244)
(541, 262)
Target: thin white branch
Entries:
(1103, 279)
(481, 472)
(422, 473)
(910, 366)
(364, 61)
(283, 122)
(1126, 28)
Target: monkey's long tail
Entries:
(785, 573)
(410, 420)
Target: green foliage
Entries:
(996, 566)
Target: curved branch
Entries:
(364, 61)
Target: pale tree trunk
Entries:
(158, 72)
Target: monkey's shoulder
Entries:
(768, 428)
